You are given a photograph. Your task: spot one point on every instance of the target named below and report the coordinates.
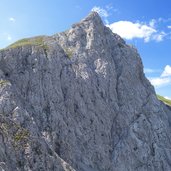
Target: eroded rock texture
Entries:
(79, 101)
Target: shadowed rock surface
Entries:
(79, 101)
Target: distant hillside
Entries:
(164, 100)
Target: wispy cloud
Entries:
(163, 20)
(152, 23)
(169, 27)
(159, 36)
(149, 70)
(101, 11)
(11, 19)
(105, 12)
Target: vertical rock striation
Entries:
(79, 101)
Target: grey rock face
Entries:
(79, 101)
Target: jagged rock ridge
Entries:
(79, 100)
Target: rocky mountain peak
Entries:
(79, 101)
(93, 17)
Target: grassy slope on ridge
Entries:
(164, 100)
(28, 41)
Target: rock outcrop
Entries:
(79, 101)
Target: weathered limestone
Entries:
(79, 101)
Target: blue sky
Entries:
(145, 24)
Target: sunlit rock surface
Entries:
(79, 101)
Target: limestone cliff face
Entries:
(79, 101)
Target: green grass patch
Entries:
(69, 52)
(36, 41)
(21, 135)
(164, 100)
(18, 136)
(3, 82)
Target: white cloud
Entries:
(130, 30)
(148, 70)
(167, 71)
(12, 19)
(101, 11)
(163, 79)
(159, 81)
(154, 30)
(167, 97)
(9, 38)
